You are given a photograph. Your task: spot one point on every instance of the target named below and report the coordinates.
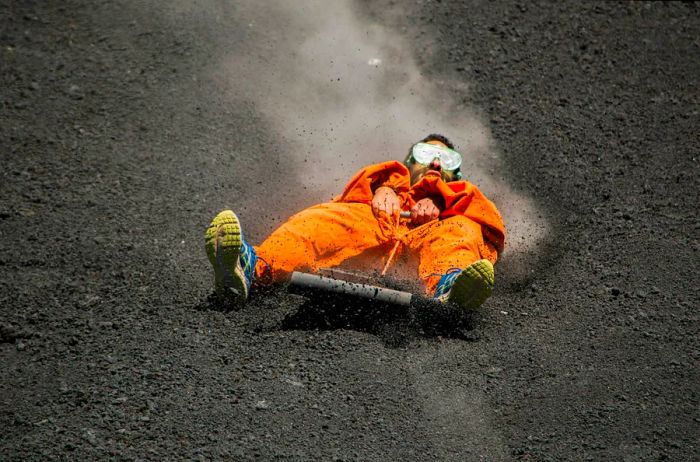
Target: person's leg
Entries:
(456, 264)
(322, 236)
(232, 258)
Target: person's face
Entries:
(418, 171)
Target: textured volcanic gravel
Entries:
(110, 348)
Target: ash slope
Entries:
(116, 152)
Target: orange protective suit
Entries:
(345, 233)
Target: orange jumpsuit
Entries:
(345, 233)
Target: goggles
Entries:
(425, 153)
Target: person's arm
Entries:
(365, 184)
(429, 199)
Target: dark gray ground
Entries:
(110, 350)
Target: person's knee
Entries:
(457, 228)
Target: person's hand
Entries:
(424, 211)
(385, 200)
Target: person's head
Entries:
(434, 152)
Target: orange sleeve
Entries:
(463, 198)
(361, 187)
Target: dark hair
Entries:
(438, 137)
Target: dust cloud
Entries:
(343, 93)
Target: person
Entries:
(449, 243)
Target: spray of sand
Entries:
(343, 93)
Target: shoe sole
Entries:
(223, 244)
(473, 286)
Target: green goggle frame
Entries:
(425, 154)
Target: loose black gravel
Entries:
(110, 348)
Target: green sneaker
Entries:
(231, 256)
(467, 288)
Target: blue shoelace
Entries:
(446, 281)
(248, 260)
